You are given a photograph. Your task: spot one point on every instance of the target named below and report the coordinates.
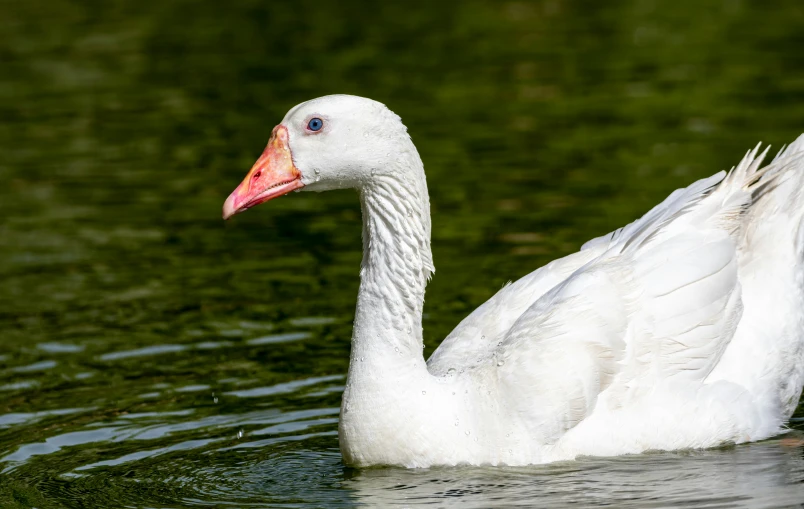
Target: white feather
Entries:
(683, 329)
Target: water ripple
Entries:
(287, 387)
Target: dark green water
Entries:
(153, 356)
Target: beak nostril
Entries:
(257, 175)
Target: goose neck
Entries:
(395, 268)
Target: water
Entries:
(153, 356)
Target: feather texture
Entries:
(683, 329)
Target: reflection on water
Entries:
(151, 355)
(728, 478)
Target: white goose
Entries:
(684, 329)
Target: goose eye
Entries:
(315, 124)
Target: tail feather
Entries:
(773, 286)
(788, 164)
(734, 192)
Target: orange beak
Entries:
(273, 175)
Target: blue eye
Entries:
(315, 124)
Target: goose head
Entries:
(333, 142)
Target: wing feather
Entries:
(658, 304)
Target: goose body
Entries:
(684, 329)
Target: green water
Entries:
(153, 356)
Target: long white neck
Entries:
(394, 411)
(396, 265)
(387, 371)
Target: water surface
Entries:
(153, 356)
